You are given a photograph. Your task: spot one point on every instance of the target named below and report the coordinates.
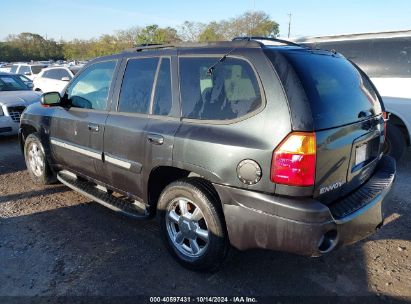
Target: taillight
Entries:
(293, 161)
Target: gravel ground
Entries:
(55, 242)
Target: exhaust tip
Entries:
(328, 241)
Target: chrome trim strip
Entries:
(73, 148)
(117, 162)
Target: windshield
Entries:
(11, 83)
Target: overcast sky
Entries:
(70, 19)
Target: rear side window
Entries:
(337, 92)
(137, 85)
(230, 91)
(162, 98)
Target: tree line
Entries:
(29, 46)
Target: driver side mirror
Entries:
(51, 99)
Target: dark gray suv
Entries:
(257, 143)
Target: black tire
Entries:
(395, 143)
(202, 195)
(41, 177)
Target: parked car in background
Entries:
(386, 58)
(15, 96)
(27, 81)
(5, 67)
(30, 70)
(54, 79)
(259, 143)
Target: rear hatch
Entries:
(346, 113)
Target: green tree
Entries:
(212, 32)
(154, 34)
(252, 24)
(35, 47)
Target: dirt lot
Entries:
(55, 242)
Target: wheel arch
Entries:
(160, 177)
(400, 122)
(25, 130)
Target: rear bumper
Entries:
(306, 226)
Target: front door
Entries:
(77, 129)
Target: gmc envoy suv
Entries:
(253, 143)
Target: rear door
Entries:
(139, 132)
(126, 126)
(76, 131)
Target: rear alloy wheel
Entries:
(187, 228)
(192, 224)
(36, 162)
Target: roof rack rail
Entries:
(256, 38)
(149, 46)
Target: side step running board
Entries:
(88, 189)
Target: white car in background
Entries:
(30, 70)
(15, 96)
(386, 58)
(54, 79)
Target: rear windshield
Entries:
(337, 92)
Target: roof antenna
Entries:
(211, 69)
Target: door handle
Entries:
(155, 139)
(93, 127)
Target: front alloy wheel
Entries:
(36, 162)
(36, 159)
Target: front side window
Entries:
(230, 91)
(137, 85)
(90, 89)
